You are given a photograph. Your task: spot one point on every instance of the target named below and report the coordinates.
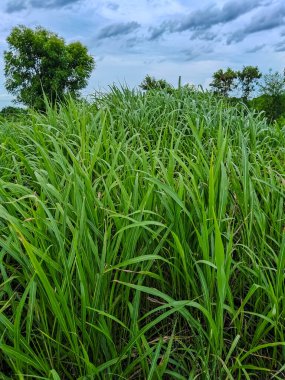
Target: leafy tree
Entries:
(248, 77)
(273, 84)
(13, 113)
(224, 81)
(40, 62)
(10, 110)
(150, 83)
(273, 89)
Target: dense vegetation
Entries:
(40, 66)
(263, 93)
(142, 237)
(40, 62)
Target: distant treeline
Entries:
(263, 92)
(41, 68)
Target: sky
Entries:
(163, 38)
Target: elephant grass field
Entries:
(142, 236)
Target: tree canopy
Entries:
(273, 84)
(248, 78)
(150, 83)
(224, 81)
(273, 89)
(40, 62)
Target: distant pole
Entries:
(179, 82)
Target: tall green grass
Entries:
(142, 237)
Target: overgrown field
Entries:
(142, 237)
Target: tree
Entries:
(248, 78)
(224, 81)
(40, 62)
(150, 83)
(273, 89)
(273, 84)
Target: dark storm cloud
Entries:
(114, 30)
(255, 48)
(204, 19)
(19, 5)
(266, 20)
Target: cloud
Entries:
(166, 26)
(19, 5)
(133, 42)
(280, 47)
(52, 3)
(266, 20)
(112, 6)
(196, 52)
(204, 35)
(118, 29)
(203, 19)
(15, 6)
(255, 48)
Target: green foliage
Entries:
(259, 103)
(11, 111)
(273, 89)
(224, 81)
(142, 237)
(39, 62)
(248, 78)
(150, 83)
(281, 121)
(273, 84)
(272, 106)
